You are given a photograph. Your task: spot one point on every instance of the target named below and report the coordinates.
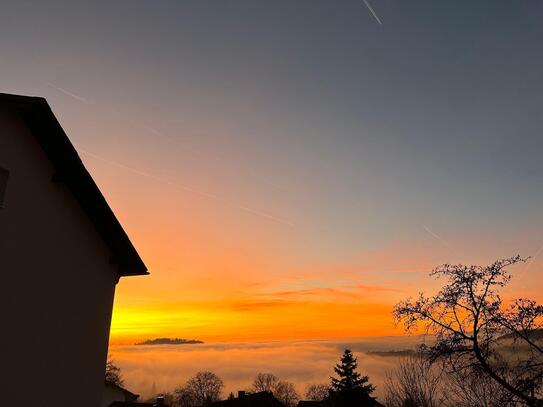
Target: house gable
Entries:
(37, 116)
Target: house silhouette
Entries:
(62, 252)
(114, 392)
(260, 399)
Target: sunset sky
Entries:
(289, 169)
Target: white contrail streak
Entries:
(436, 236)
(157, 133)
(66, 92)
(370, 8)
(185, 188)
(532, 259)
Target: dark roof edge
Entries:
(40, 119)
(115, 385)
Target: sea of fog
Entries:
(150, 369)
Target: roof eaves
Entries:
(70, 170)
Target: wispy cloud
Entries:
(255, 305)
(347, 291)
(189, 189)
(372, 11)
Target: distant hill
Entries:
(169, 341)
(535, 334)
(393, 353)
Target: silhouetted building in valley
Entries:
(260, 399)
(310, 403)
(113, 392)
(62, 252)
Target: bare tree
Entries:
(286, 393)
(317, 392)
(202, 389)
(469, 321)
(415, 382)
(113, 373)
(184, 397)
(473, 390)
(265, 382)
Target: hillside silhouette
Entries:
(169, 341)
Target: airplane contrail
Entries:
(436, 236)
(149, 128)
(189, 189)
(532, 259)
(370, 8)
(66, 92)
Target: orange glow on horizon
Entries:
(243, 321)
(221, 274)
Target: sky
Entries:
(291, 169)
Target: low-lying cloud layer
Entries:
(162, 368)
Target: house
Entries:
(62, 252)
(260, 399)
(115, 393)
(310, 403)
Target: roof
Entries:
(38, 116)
(261, 399)
(310, 403)
(356, 397)
(128, 394)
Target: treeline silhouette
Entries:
(349, 388)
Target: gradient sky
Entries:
(290, 169)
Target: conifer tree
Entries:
(349, 378)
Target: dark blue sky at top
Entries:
(433, 118)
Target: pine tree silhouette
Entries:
(349, 378)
